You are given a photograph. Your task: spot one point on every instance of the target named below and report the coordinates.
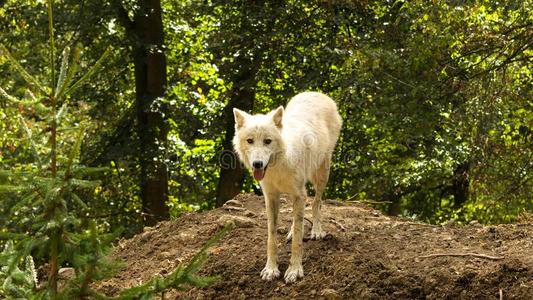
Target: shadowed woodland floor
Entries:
(366, 255)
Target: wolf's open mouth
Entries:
(259, 174)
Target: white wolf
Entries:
(285, 149)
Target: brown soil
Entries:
(366, 255)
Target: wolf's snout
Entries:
(259, 169)
(257, 164)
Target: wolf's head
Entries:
(258, 139)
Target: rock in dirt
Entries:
(249, 214)
(233, 202)
(66, 273)
(329, 294)
(237, 221)
(282, 230)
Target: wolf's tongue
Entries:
(259, 174)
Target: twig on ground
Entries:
(369, 202)
(335, 202)
(233, 208)
(234, 202)
(418, 224)
(463, 254)
(501, 294)
(342, 228)
(351, 200)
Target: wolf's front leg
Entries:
(295, 269)
(271, 270)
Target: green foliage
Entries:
(435, 98)
(49, 218)
(47, 206)
(17, 281)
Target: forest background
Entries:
(436, 98)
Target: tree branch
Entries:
(463, 254)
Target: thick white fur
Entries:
(303, 137)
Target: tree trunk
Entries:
(231, 170)
(460, 184)
(394, 208)
(150, 82)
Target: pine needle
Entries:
(63, 71)
(4, 94)
(52, 45)
(70, 74)
(33, 146)
(90, 72)
(20, 69)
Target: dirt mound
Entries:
(366, 255)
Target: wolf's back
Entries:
(316, 112)
(311, 127)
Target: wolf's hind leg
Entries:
(290, 234)
(320, 179)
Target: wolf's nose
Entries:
(257, 164)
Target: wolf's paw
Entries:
(270, 273)
(293, 273)
(317, 233)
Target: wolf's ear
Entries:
(277, 116)
(240, 117)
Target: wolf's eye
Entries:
(250, 141)
(267, 141)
